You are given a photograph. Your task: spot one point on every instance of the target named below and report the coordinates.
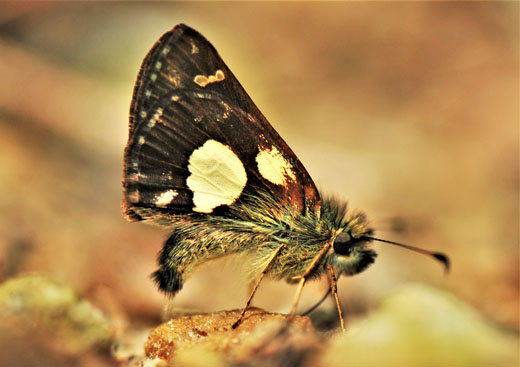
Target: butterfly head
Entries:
(351, 254)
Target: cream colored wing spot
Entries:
(274, 167)
(203, 80)
(217, 176)
(165, 50)
(165, 198)
(194, 48)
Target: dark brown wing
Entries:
(186, 104)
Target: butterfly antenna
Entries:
(439, 256)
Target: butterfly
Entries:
(203, 160)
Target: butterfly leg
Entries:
(303, 278)
(262, 275)
(334, 288)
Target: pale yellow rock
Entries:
(423, 326)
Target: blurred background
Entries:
(410, 111)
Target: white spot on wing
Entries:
(273, 166)
(165, 198)
(194, 48)
(158, 113)
(217, 176)
(203, 80)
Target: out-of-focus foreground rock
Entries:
(423, 326)
(40, 317)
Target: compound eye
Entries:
(343, 244)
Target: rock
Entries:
(423, 326)
(39, 310)
(208, 339)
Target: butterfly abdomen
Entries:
(169, 277)
(196, 242)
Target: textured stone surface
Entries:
(261, 338)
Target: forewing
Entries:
(197, 142)
(183, 59)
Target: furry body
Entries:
(258, 228)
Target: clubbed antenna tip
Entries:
(445, 260)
